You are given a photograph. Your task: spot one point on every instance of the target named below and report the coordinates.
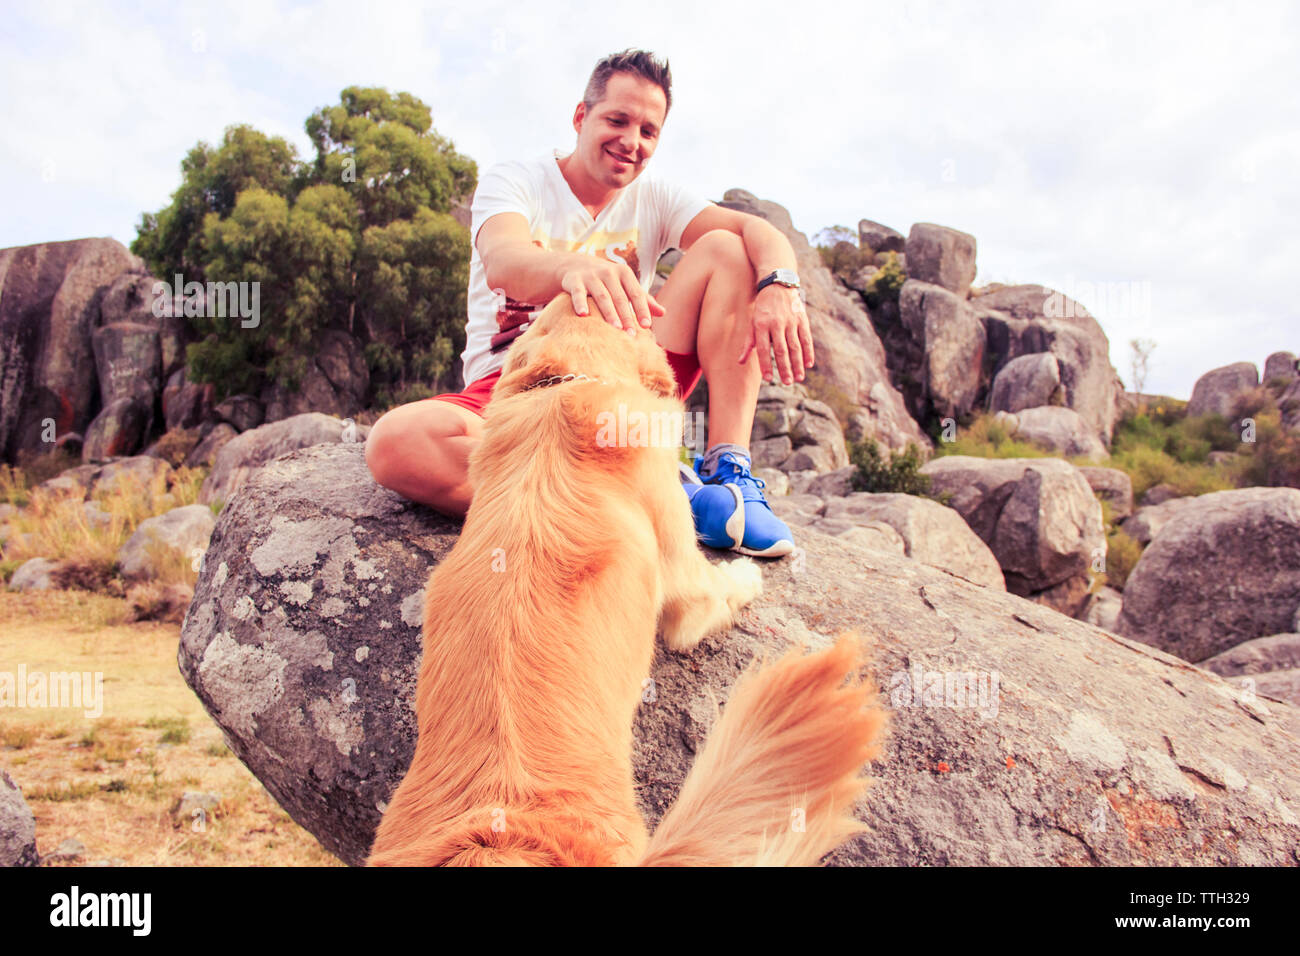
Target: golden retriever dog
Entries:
(539, 631)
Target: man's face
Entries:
(618, 137)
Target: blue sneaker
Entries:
(719, 511)
(764, 534)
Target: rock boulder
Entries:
(1223, 570)
(1014, 730)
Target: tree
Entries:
(360, 239)
(1142, 349)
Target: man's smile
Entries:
(621, 160)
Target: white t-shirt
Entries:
(639, 225)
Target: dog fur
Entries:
(539, 630)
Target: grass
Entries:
(112, 781)
(985, 437)
(54, 525)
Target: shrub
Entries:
(901, 474)
(886, 282)
(985, 437)
(1122, 554)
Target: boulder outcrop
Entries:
(851, 359)
(1223, 570)
(1018, 736)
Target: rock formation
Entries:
(1019, 736)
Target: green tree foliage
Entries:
(840, 251)
(360, 239)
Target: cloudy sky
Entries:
(1142, 156)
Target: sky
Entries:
(1140, 156)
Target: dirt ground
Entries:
(113, 781)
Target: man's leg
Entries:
(707, 304)
(421, 451)
(706, 300)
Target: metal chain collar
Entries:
(570, 377)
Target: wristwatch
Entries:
(786, 277)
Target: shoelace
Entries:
(740, 473)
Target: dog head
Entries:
(561, 342)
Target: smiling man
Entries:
(593, 224)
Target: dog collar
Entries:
(557, 379)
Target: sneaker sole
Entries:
(778, 550)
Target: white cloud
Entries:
(1107, 143)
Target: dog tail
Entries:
(775, 783)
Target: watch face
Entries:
(786, 277)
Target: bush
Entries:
(1122, 554)
(985, 437)
(901, 474)
(887, 281)
(1273, 458)
(840, 251)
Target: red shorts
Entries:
(686, 369)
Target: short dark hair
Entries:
(639, 62)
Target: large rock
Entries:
(1277, 652)
(1060, 429)
(135, 472)
(17, 826)
(303, 642)
(119, 429)
(244, 454)
(1217, 390)
(1028, 319)
(946, 330)
(204, 454)
(850, 357)
(1037, 515)
(1150, 520)
(49, 304)
(931, 533)
(1028, 381)
(1103, 608)
(1224, 570)
(941, 256)
(879, 238)
(336, 381)
(1281, 366)
(179, 534)
(186, 404)
(793, 432)
(1112, 486)
(129, 300)
(242, 412)
(34, 574)
(128, 362)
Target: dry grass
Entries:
(112, 781)
(55, 525)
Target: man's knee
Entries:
(381, 447)
(721, 250)
(419, 428)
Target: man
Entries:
(591, 225)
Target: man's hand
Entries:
(614, 287)
(780, 324)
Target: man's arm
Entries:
(780, 322)
(529, 274)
